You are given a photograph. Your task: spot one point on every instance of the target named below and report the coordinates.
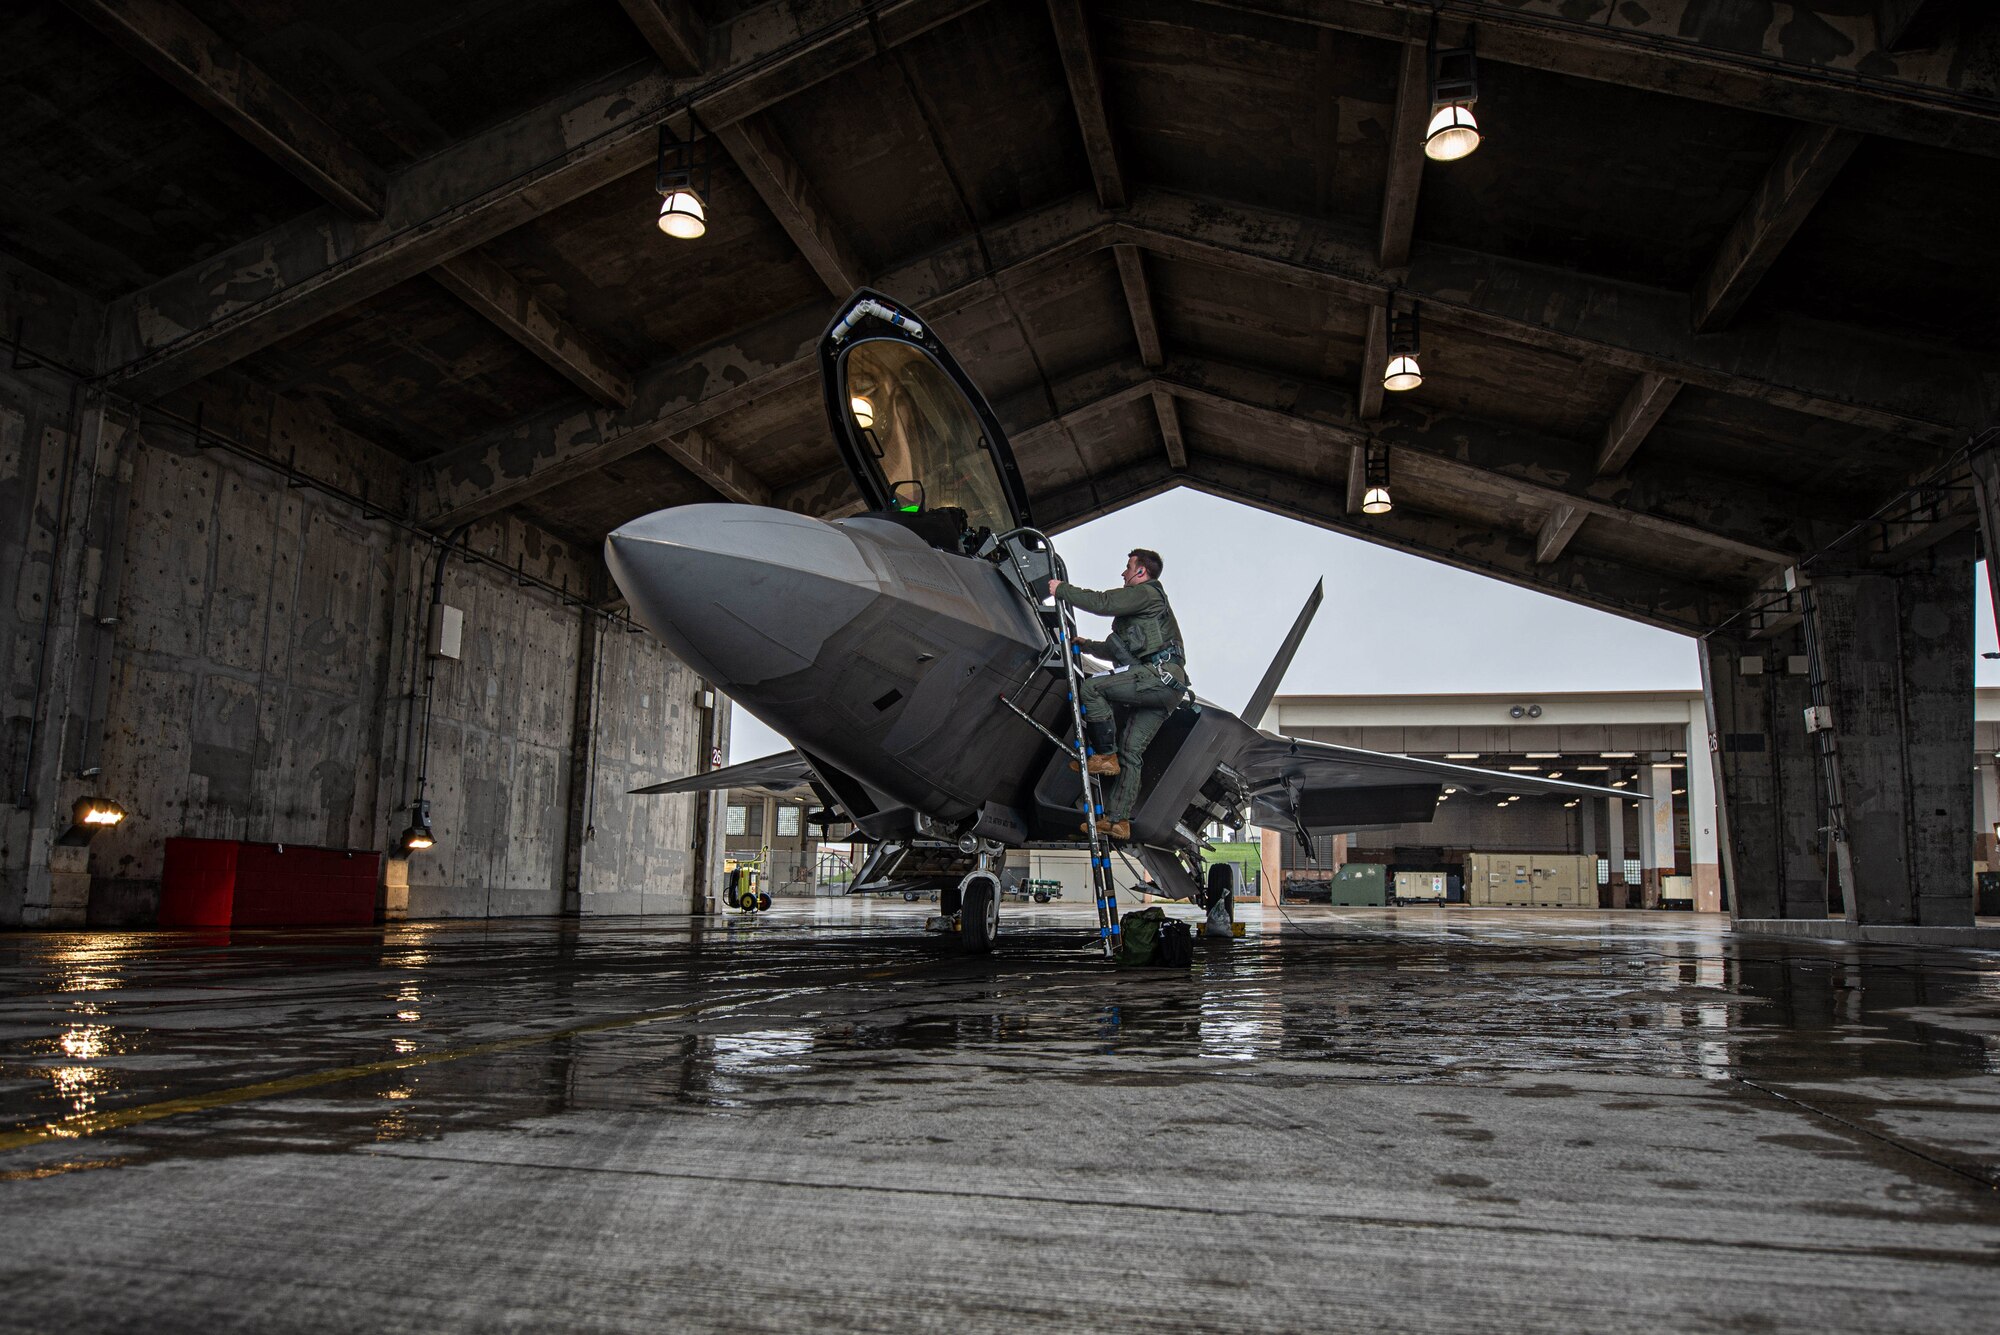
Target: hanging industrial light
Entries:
(418, 836)
(864, 412)
(88, 818)
(1375, 471)
(1453, 131)
(682, 211)
(1405, 329)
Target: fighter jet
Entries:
(912, 657)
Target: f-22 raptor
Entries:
(912, 657)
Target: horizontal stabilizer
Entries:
(783, 772)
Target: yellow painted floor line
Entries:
(78, 1125)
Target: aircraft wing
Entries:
(1323, 787)
(785, 774)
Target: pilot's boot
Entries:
(1102, 738)
(1118, 830)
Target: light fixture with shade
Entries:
(88, 818)
(1453, 131)
(863, 410)
(1375, 470)
(683, 180)
(418, 836)
(1402, 373)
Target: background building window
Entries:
(788, 822)
(738, 821)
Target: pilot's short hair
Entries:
(1149, 561)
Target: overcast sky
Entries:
(1391, 623)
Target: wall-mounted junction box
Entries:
(447, 631)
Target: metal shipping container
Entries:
(1413, 886)
(1530, 880)
(1360, 883)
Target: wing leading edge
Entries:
(782, 774)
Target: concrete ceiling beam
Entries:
(188, 54)
(1139, 303)
(1167, 409)
(1537, 471)
(1447, 452)
(1369, 393)
(1647, 595)
(827, 494)
(1610, 322)
(775, 174)
(1398, 229)
(1406, 159)
(675, 396)
(1910, 25)
(1146, 330)
(679, 37)
(1846, 373)
(1858, 83)
(1788, 192)
(675, 31)
(715, 466)
(1086, 91)
(1561, 525)
(513, 308)
(668, 402)
(1645, 403)
(252, 294)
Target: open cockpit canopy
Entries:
(914, 431)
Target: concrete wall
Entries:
(234, 657)
(649, 729)
(39, 424)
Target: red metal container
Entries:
(228, 883)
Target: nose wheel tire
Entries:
(979, 914)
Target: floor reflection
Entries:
(755, 1011)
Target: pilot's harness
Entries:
(1169, 654)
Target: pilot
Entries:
(1150, 681)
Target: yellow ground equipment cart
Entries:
(740, 882)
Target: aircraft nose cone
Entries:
(742, 593)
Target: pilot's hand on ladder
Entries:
(1054, 584)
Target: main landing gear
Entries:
(978, 912)
(970, 910)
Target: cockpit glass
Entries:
(917, 426)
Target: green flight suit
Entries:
(1143, 623)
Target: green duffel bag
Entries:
(1139, 936)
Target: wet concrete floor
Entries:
(820, 1119)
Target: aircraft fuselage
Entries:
(873, 652)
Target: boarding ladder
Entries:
(1064, 646)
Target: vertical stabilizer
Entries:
(1260, 699)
